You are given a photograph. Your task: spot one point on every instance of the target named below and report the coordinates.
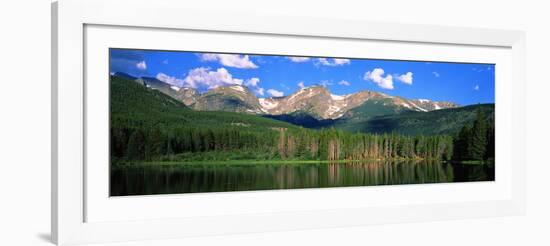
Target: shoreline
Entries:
(286, 162)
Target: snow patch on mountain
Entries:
(337, 97)
(406, 105)
(419, 108)
(268, 104)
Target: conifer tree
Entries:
(136, 146)
(478, 140)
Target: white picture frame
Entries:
(76, 217)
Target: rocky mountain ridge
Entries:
(317, 101)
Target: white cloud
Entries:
(275, 93)
(298, 58)
(325, 83)
(385, 81)
(436, 74)
(236, 61)
(170, 80)
(333, 62)
(141, 65)
(301, 85)
(202, 78)
(476, 87)
(210, 79)
(253, 84)
(343, 82)
(406, 78)
(341, 61)
(377, 76)
(259, 91)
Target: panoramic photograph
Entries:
(195, 121)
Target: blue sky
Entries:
(269, 75)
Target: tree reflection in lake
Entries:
(191, 178)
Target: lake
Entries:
(191, 178)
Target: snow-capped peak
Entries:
(424, 100)
(337, 97)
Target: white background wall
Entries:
(25, 123)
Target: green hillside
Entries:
(375, 117)
(132, 104)
(220, 102)
(302, 118)
(444, 121)
(373, 108)
(146, 124)
(368, 110)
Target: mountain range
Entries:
(316, 107)
(316, 101)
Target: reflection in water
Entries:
(162, 179)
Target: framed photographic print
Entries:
(169, 126)
(209, 131)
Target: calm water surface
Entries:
(170, 179)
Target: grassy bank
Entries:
(477, 162)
